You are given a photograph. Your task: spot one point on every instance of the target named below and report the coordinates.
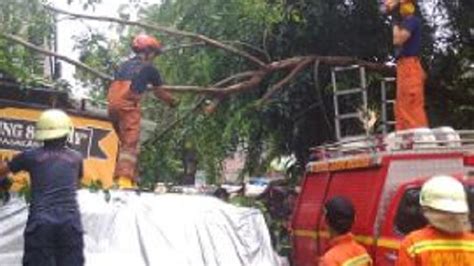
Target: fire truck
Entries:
(382, 175)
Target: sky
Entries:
(67, 29)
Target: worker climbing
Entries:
(132, 79)
(447, 239)
(53, 234)
(409, 106)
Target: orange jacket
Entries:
(432, 247)
(345, 251)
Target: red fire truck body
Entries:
(382, 179)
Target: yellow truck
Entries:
(93, 133)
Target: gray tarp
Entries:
(150, 229)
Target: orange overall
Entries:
(124, 111)
(432, 247)
(345, 251)
(409, 107)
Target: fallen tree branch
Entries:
(191, 111)
(285, 80)
(167, 30)
(35, 48)
(183, 46)
(253, 78)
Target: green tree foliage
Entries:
(25, 18)
(450, 88)
(236, 124)
(295, 118)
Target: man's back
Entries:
(432, 247)
(345, 251)
(55, 173)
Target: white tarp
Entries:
(148, 229)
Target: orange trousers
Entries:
(124, 111)
(410, 102)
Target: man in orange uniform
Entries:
(344, 250)
(447, 240)
(409, 107)
(131, 80)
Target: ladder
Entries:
(386, 84)
(351, 117)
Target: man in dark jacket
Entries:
(53, 234)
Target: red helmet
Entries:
(144, 42)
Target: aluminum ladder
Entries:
(351, 116)
(386, 84)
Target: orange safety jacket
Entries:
(345, 251)
(430, 246)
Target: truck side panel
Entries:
(363, 188)
(306, 217)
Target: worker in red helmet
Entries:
(410, 103)
(343, 249)
(132, 79)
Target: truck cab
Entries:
(382, 176)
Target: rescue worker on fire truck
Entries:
(344, 250)
(409, 105)
(53, 234)
(131, 80)
(447, 239)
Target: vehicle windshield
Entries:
(410, 217)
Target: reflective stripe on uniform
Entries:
(390, 243)
(125, 156)
(359, 260)
(439, 245)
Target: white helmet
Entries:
(53, 124)
(444, 193)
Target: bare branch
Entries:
(167, 30)
(183, 46)
(251, 78)
(285, 80)
(194, 109)
(255, 77)
(234, 77)
(35, 48)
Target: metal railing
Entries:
(435, 140)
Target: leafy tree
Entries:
(27, 19)
(272, 116)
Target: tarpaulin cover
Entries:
(149, 229)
